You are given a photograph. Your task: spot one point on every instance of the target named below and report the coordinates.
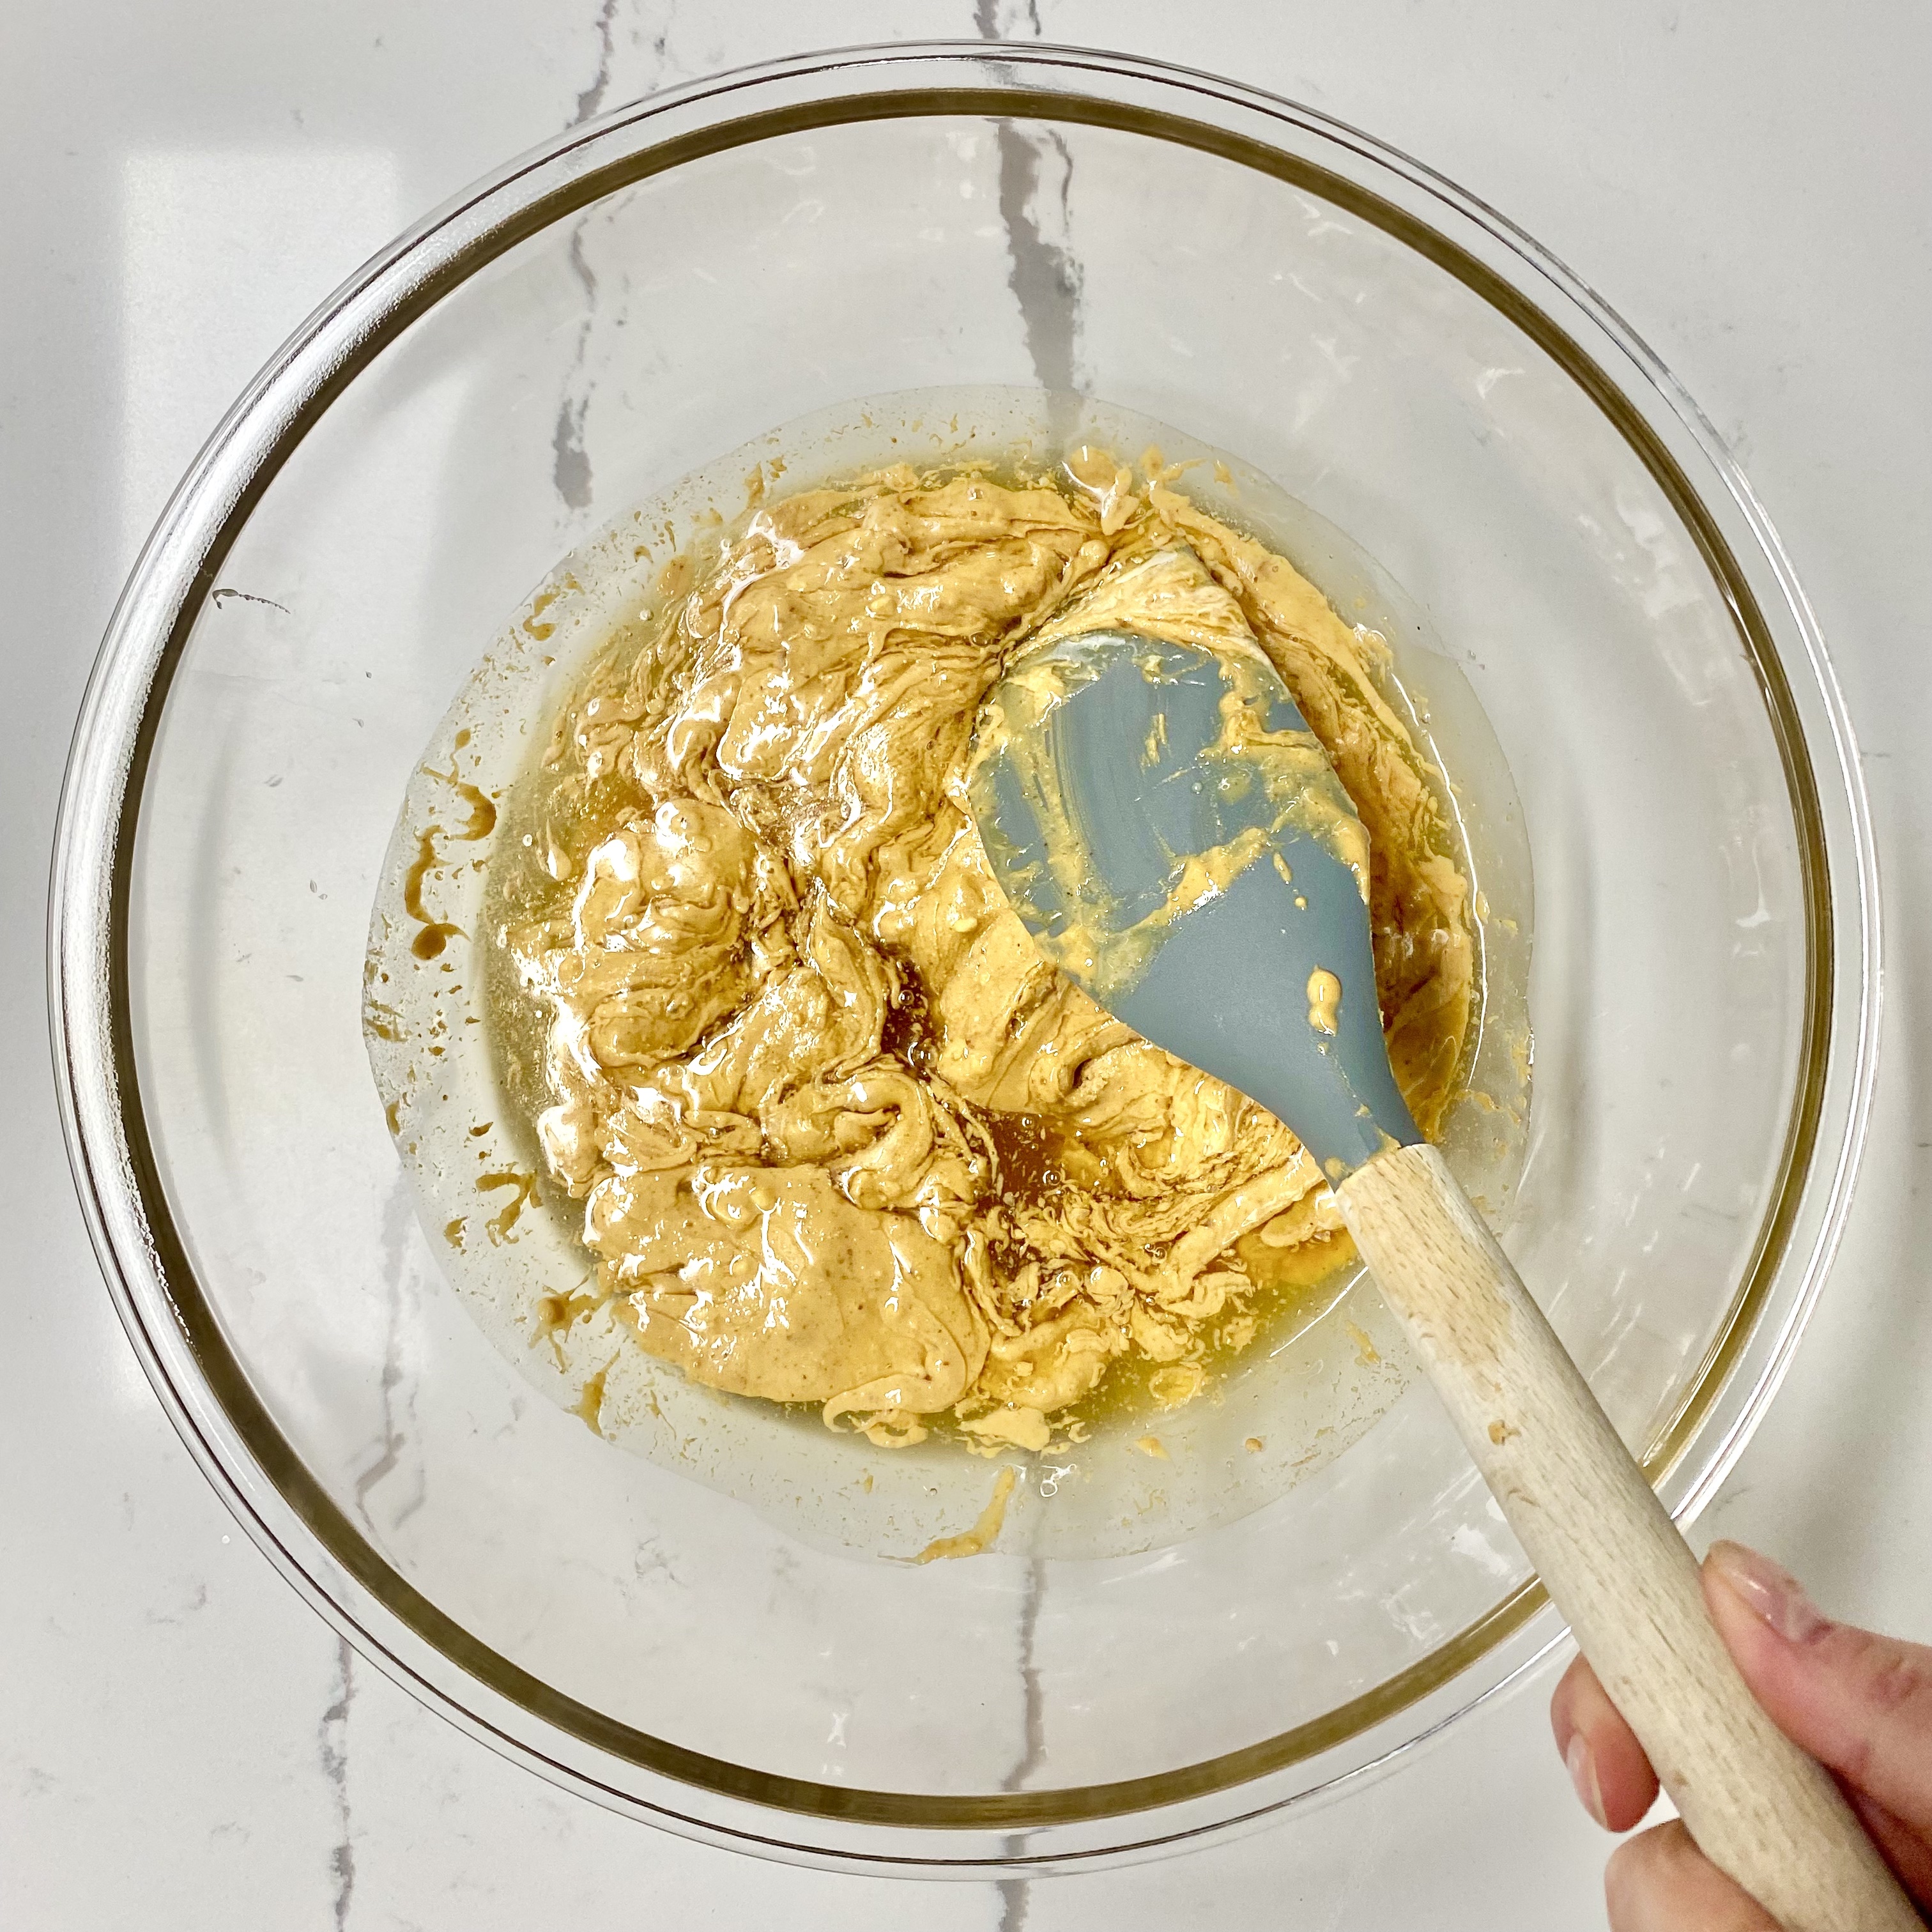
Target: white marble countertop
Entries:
(184, 1743)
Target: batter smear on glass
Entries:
(841, 1135)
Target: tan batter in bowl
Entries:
(842, 1136)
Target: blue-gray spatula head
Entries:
(1172, 834)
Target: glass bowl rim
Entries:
(174, 1330)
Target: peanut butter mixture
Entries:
(842, 1136)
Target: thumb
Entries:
(1860, 1703)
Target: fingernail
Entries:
(1581, 1762)
(1771, 1591)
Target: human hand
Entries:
(1859, 1703)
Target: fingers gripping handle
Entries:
(1612, 1559)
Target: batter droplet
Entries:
(1325, 1000)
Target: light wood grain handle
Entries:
(1612, 1560)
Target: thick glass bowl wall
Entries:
(567, 339)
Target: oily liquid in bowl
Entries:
(458, 1057)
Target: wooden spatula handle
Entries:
(1613, 1562)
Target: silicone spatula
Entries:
(1159, 816)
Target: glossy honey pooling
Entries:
(841, 1135)
(434, 935)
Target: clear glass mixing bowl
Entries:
(559, 344)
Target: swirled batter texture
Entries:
(841, 1134)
